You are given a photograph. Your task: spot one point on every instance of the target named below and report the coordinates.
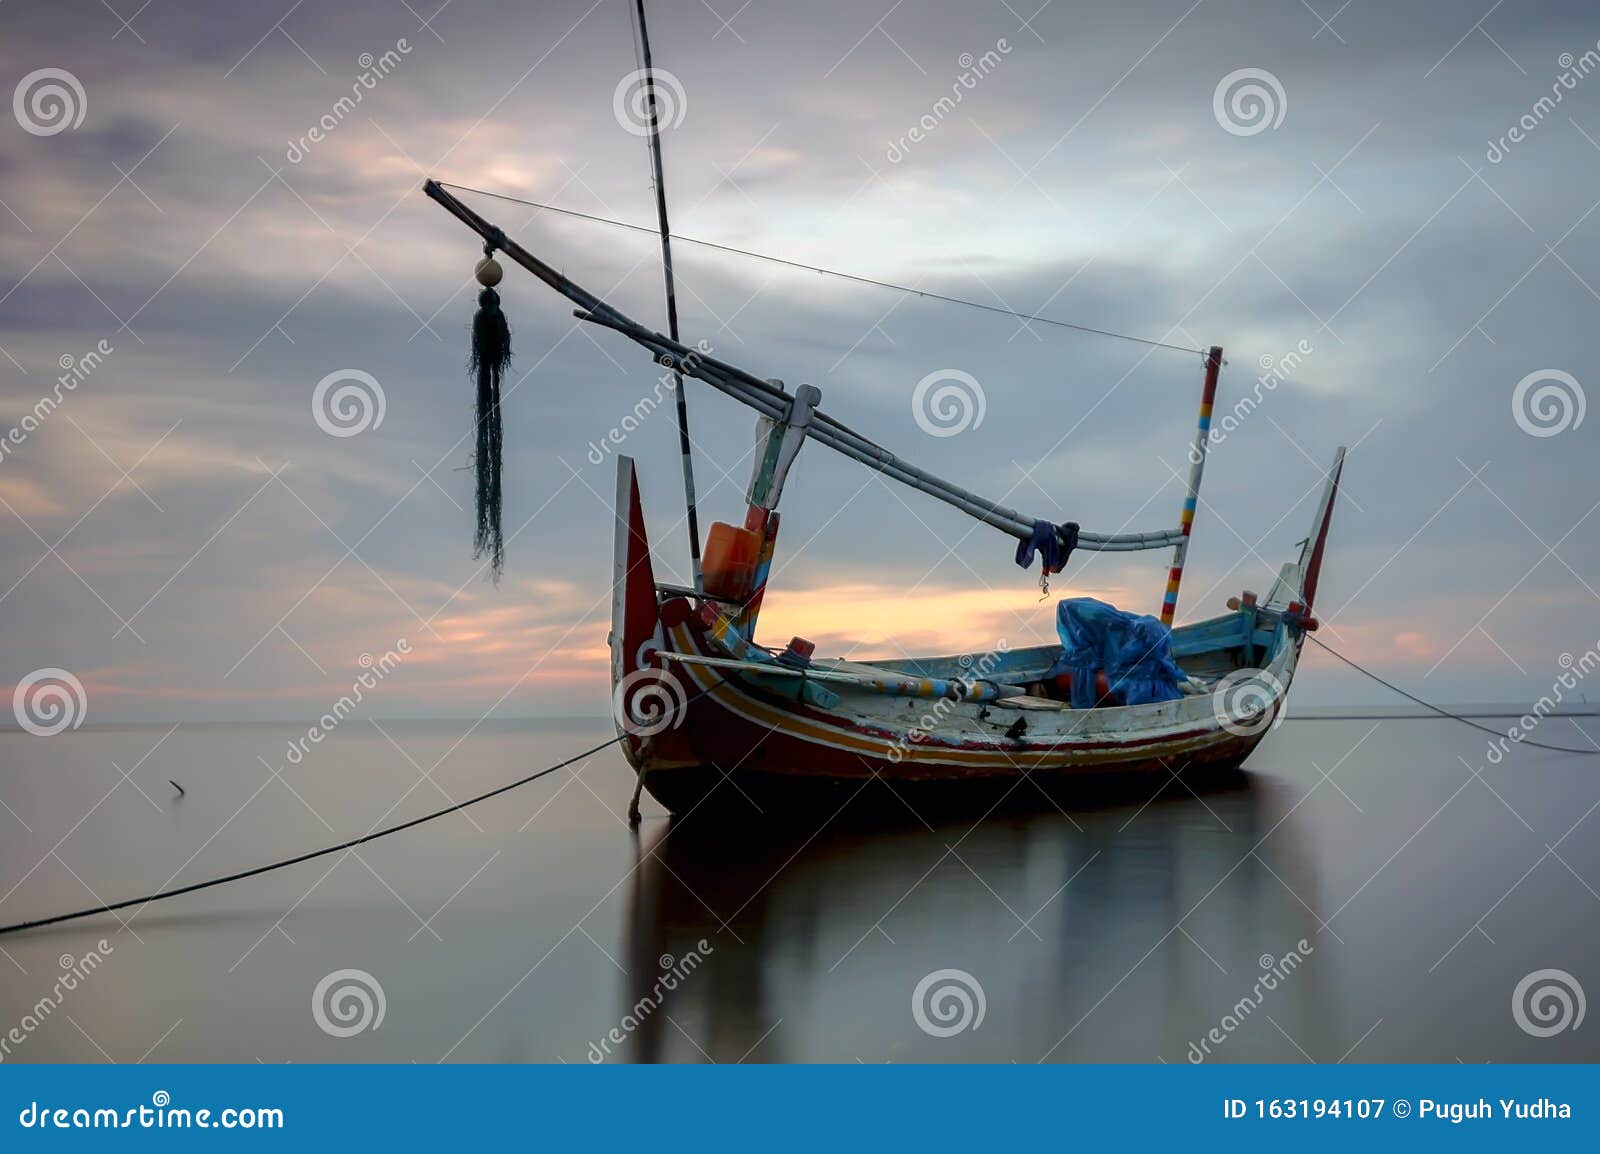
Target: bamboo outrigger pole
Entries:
(693, 514)
(771, 401)
(1197, 466)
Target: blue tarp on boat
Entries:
(1134, 649)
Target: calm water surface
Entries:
(1423, 882)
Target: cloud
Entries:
(1064, 184)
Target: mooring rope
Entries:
(305, 857)
(1029, 317)
(1442, 712)
(195, 887)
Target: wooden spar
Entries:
(738, 385)
(672, 300)
(779, 445)
(779, 448)
(770, 401)
(1197, 466)
(764, 522)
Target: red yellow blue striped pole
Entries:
(764, 522)
(1197, 466)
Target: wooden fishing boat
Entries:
(709, 715)
(705, 712)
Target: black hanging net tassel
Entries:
(491, 353)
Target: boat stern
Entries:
(648, 700)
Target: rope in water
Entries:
(278, 865)
(195, 887)
(827, 271)
(1445, 712)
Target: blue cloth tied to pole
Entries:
(1134, 649)
(1054, 544)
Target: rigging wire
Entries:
(1442, 712)
(827, 271)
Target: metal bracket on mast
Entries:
(780, 435)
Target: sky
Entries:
(1367, 205)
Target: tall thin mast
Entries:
(672, 297)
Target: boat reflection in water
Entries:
(1127, 932)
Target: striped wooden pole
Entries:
(1197, 466)
(764, 522)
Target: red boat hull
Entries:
(733, 744)
(713, 727)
